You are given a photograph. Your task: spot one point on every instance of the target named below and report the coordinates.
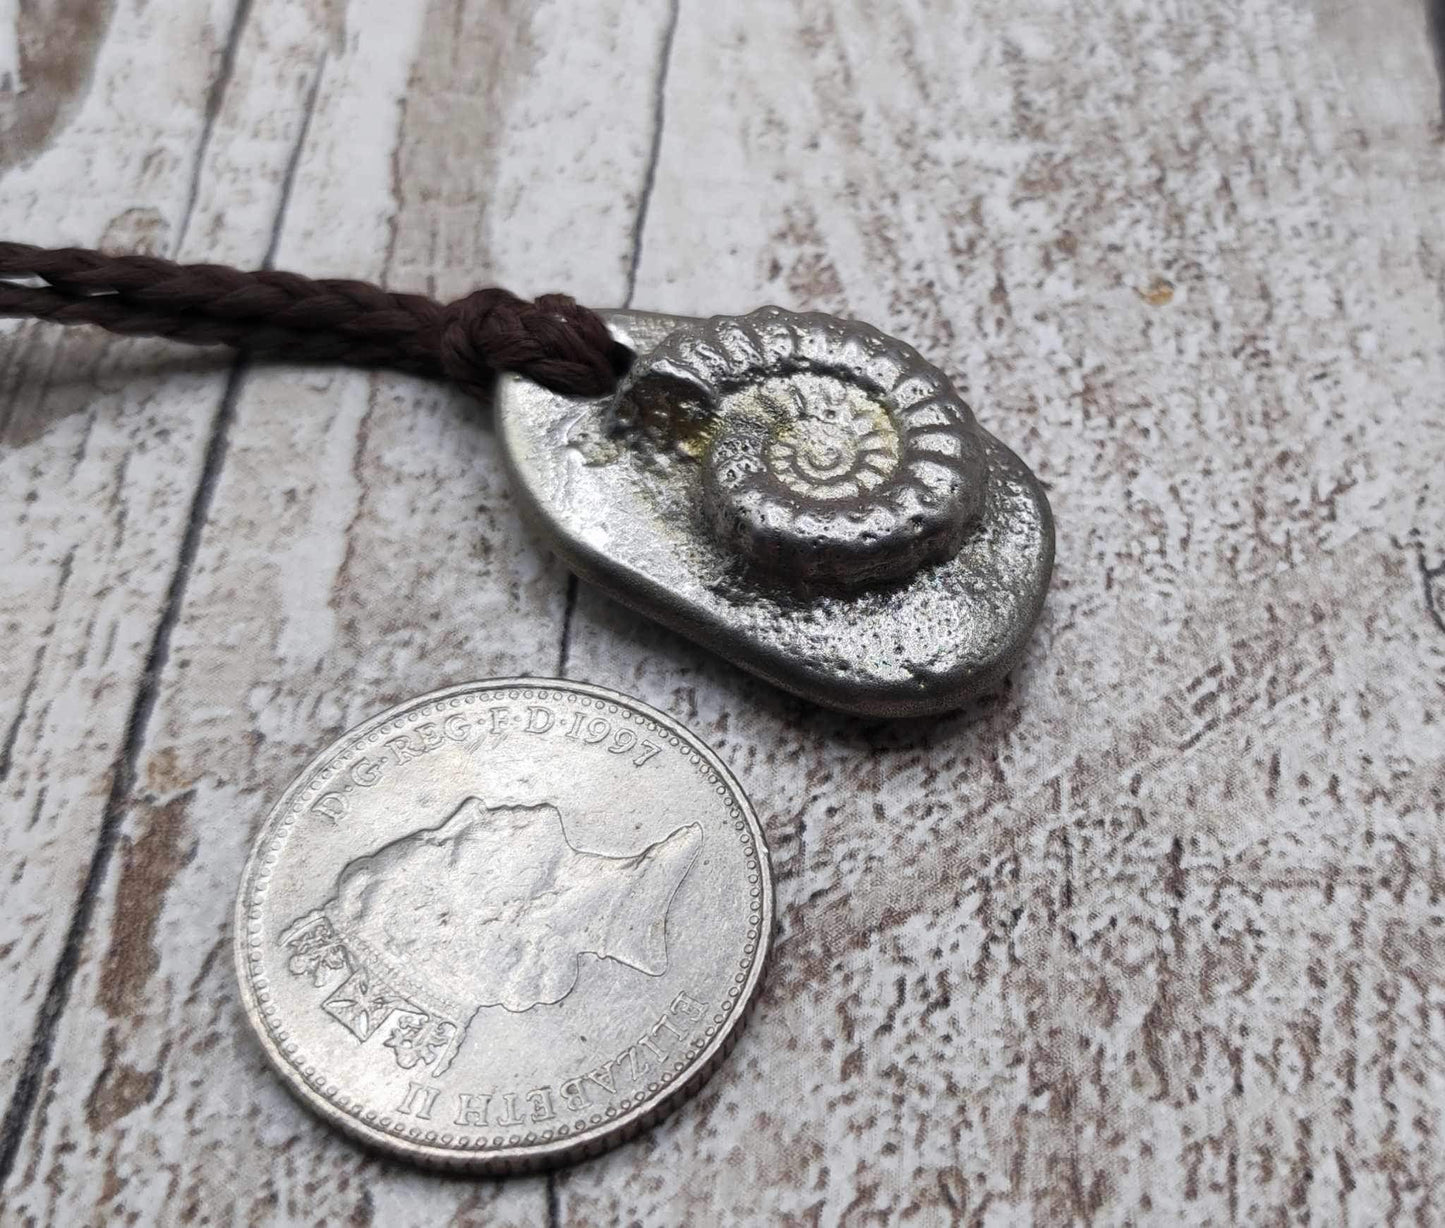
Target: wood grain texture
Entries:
(1154, 936)
(1157, 935)
(358, 545)
(104, 442)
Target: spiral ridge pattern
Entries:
(831, 454)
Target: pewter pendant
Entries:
(804, 495)
(504, 926)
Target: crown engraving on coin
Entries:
(492, 908)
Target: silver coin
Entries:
(504, 926)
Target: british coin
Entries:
(504, 926)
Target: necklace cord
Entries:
(553, 340)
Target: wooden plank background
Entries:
(1156, 935)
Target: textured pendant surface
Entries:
(802, 494)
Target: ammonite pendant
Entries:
(803, 494)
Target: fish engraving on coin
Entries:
(505, 925)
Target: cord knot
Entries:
(553, 341)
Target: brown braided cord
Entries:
(554, 341)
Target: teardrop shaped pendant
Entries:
(802, 494)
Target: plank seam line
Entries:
(634, 257)
(1427, 576)
(42, 1043)
(1435, 28)
(569, 607)
(215, 97)
(7, 751)
(659, 120)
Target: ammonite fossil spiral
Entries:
(831, 455)
(802, 494)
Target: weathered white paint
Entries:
(360, 545)
(1145, 939)
(11, 79)
(1153, 936)
(101, 452)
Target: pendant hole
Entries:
(621, 359)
